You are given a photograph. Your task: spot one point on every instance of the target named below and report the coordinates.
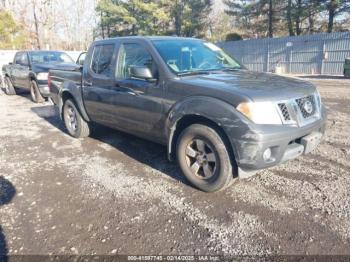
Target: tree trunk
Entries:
(102, 28)
(331, 14)
(270, 19)
(311, 24)
(289, 18)
(108, 25)
(36, 24)
(297, 19)
(178, 18)
(133, 29)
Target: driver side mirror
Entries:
(141, 72)
(81, 62)
(81, 59)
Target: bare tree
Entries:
(36, 24)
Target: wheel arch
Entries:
(202, 110)
(67, 94)
(32, 77)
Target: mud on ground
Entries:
(113, 193)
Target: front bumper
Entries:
(285, 143)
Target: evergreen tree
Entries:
(11, 36)
(153, 17)
(132, 17)
(258, 16)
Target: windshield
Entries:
(49, 57)
(189, 55)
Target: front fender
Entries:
(221, 113)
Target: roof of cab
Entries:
(40, 51)
(149, 38)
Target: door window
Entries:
(134, 55)
(81, 58)
(24, 59)
(102, 60)
(18, 58)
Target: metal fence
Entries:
(313, 54)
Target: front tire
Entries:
(35, 93)
(9, 88)
(204, 159)
(76, 125)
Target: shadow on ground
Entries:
(143, 151)
(7, 192)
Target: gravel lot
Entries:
(113, 193)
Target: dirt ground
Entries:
(113, 193)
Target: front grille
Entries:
(307, 106)
(284, 111)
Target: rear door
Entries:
(99, 81)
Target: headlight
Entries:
(42, 76)
(260, 112)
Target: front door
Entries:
(23, 71)
(138, 102)
(15, 70)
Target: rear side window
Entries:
(101, 63)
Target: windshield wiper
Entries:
(191, 73)
(230, 68)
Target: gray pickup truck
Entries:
(29, 70)
(219, 120)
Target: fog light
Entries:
(267, 155)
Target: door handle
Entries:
(87, 83)
(127, 90)
(131, 93)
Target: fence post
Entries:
(290, 59)
(268, 58)
(322, 61)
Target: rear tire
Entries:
(76, 125)
(35, 93)
(204, 159)
(9, 88)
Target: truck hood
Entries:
(252, 85)
(45, 67)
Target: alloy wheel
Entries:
(201, 159)
(71, 119)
